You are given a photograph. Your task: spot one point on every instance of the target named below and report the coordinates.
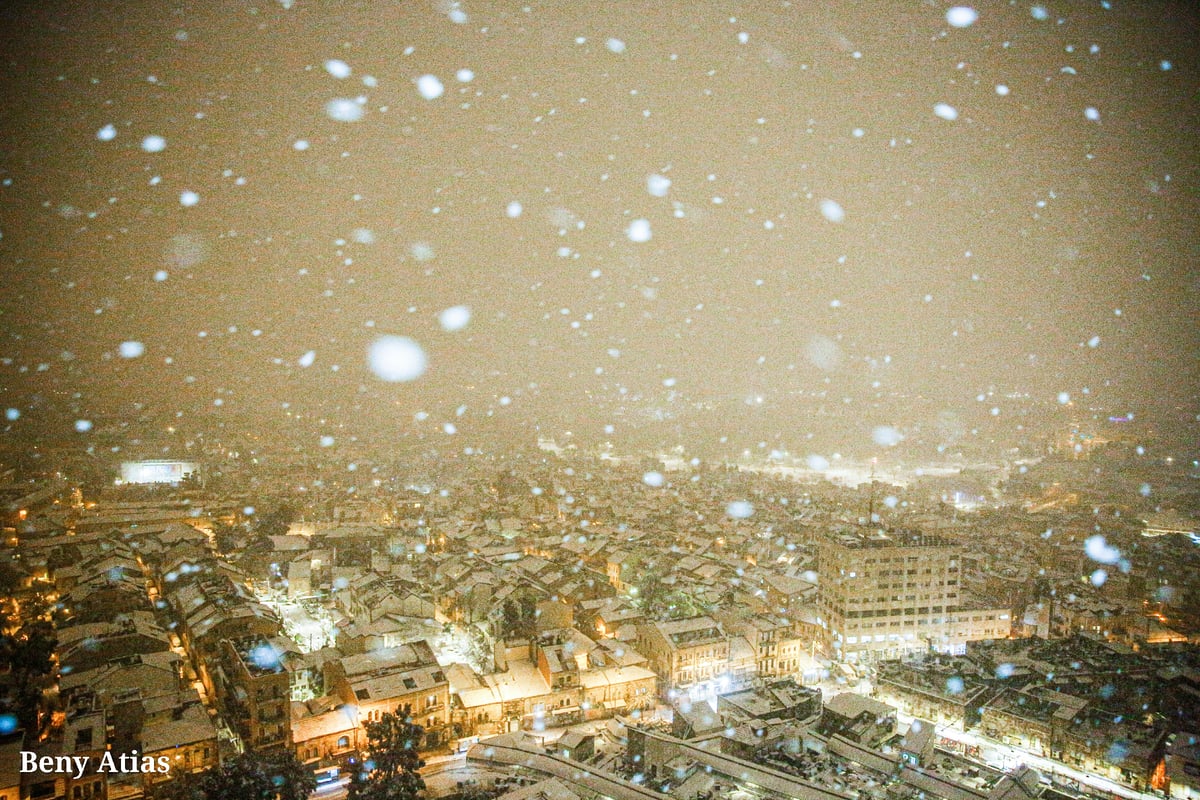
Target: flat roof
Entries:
(858, 539)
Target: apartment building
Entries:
(886, 593)
(687, 652)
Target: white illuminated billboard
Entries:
(156, 471)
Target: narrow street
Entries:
(310, 632)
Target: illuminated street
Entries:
(1006, 757)
(310, 630)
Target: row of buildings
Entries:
(1093, 705)
(505, 601)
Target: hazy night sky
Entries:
(984, 251)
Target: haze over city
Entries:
(600, 401)
(221, 209)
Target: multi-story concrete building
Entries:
(326, 734)
(408, 677)
(183, 733)
(256, 692)
(939, 694)
(763, 633)
(781, 699)
(885, 593)
(687, 652)
(975, 622)
(1181, 767)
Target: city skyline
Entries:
(706, 401)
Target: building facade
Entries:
(885, 594)
(687, 652)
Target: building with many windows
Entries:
(404, 678)
(687, 653)
(255, 685)
(886, 593)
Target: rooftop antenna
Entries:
(871, 495)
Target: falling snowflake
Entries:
(832, 211)
(658, 185)
(739, 509)
(396, 359)
(343, 109)
(962, 16)
(639, 230)
(265, 657)
(454, 318)
(131, 349)
(337, 68)
(886, 436)
(945, 111)
(1098, 549)
(430, 87)
(823, 352)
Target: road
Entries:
(446, 775)
(309, 632)
(332, 791)
(1010, 756)
(443, 775)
